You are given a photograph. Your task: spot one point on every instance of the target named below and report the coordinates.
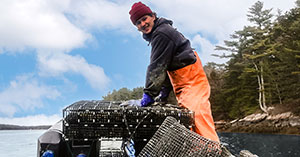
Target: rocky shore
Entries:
(279, 123)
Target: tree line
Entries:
(263, 66)
(124, 94)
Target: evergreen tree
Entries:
(237, 99)
(256, 52)
(298, 3)
(215, 74)
(285, 37)
(245, 69)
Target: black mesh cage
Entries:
(95, 119)
(88, 121)
(173, 139)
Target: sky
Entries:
(56, 52)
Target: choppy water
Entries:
(23, 143)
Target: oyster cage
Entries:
(173, 139)
(93, 120)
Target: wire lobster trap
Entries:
(88, 121)
(173, 139)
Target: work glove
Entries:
(146, 100)
(163, 95)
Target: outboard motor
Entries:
(51, 143)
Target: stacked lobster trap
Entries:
(87, 123)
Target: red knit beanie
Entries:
(138, 10)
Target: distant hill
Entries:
(18, 127)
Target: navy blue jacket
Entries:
(170, 51)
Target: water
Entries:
(23, 143)
(264, 145)
(19, 143)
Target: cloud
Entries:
(43, 25)
(38, 24)
(32, 120)
(101, 14)
(65, 24)
(207, 49)
(215, 18)
(56, 64)
(25, 93)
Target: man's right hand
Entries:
(163, 95)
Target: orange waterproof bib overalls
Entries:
(192, 91)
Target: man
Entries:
(173, 60)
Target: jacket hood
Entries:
(157, 22)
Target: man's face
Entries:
(145, 23)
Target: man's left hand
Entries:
(146, 100)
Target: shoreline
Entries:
(284, 123)
(18, 127)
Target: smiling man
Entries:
(173, 63)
